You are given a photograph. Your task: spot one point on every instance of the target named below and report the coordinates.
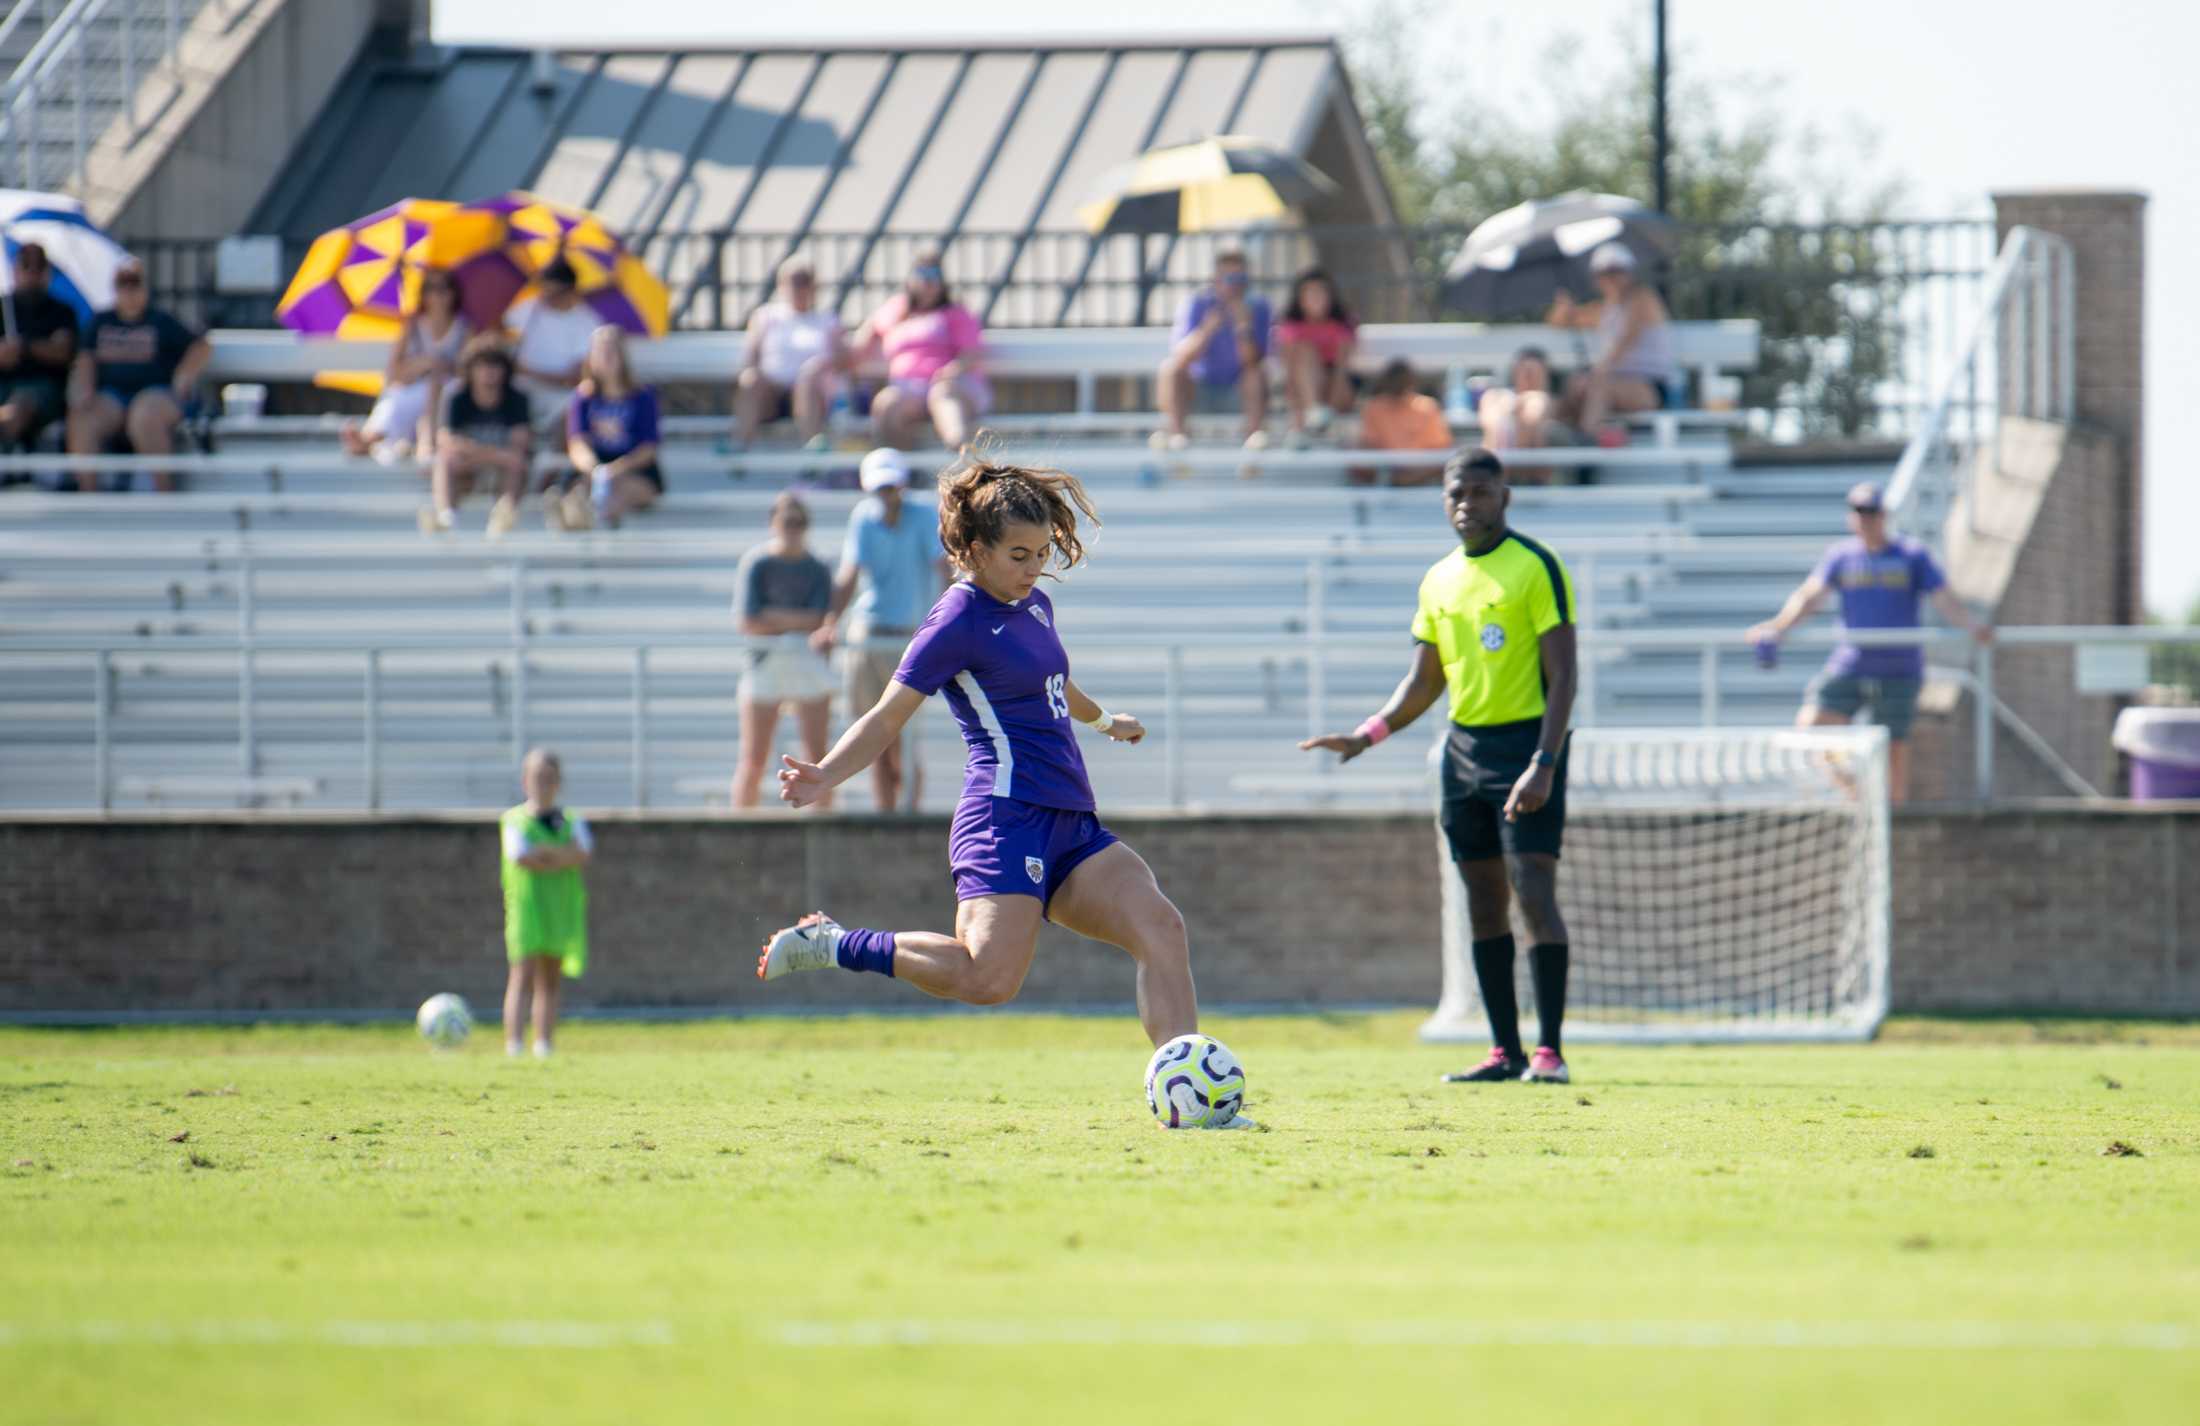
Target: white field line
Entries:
(1732, 1336)
(249, 1333)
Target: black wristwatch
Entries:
(1541, 759)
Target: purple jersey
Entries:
(1006, 675)
(1879, 591)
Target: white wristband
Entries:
(1101, 721)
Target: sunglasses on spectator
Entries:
(801, 279)
(1235, 279)
(926, 274)
(129, 279)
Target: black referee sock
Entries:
(1547, 964)
(1493, 971)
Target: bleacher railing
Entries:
(1859, 320)
(1975, 673)
(2017, 357)
(91, 56)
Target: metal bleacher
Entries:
(1231, 575)
(277, 634)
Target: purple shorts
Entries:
(1001, 847)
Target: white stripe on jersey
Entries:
(1004, 773)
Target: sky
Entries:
(1967, 96)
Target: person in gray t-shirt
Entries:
(781, 595)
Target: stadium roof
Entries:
(844, 148)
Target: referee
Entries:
(1495, 628)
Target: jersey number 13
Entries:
(1058, 695)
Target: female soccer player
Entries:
(1025, 843)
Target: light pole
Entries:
(1661, 190)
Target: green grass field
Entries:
(973, 1218)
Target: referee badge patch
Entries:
(1493, 637)
(1036, 870)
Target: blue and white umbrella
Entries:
(84, 259)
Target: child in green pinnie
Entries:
(545, 899)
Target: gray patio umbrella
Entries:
(1515, 263)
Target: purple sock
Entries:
(867, 950)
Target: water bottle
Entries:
(1458, 407)
(840, 411)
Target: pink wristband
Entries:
(1374, 730)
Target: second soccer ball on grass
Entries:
(444, 1020)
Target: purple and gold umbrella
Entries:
(533, 231)
(360, 281)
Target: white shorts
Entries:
(785, 669)
(397, 412)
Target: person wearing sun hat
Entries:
(892, 568)
(1881, 578)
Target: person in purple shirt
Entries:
(1880, 579)
(611, 434)
(1215, 357)
(1025, 845)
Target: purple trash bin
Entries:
(2164, 747)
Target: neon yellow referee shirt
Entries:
(1486, 615)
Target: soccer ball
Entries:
(1194, 1082)
(444, 1020)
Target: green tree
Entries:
(2177, 666)
(1758, 196)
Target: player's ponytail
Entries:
(980, 498)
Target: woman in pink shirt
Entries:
(1316, 336)
(933, 348)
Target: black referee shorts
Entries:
(1480, 767)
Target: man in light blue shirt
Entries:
(893, 550)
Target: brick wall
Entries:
(2015, 908)
(2107, 234)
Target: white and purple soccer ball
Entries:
(1194, 1082)
(444, 1020)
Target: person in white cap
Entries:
(893, 550)
(1635, 368)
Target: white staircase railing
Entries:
(2016, 357)
(90, 64)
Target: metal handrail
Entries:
(1316, 646)
(64, 38)
(15, 17)
(56, 35)
(2022, 254)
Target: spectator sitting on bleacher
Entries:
(422, 359)
(1523, 414)
(781, 595)
(550, 337)
(484, 428)
(1398, 417)
(1215, 357)
(611, 432)
(789, 361)
(933, 347)
(1636, 368)
(134, 375)
(36, 352)
(1316, 337)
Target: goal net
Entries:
(1717, 884)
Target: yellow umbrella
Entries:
(1223, 182)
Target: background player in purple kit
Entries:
(1025, 844)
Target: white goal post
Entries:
(1717, 885)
